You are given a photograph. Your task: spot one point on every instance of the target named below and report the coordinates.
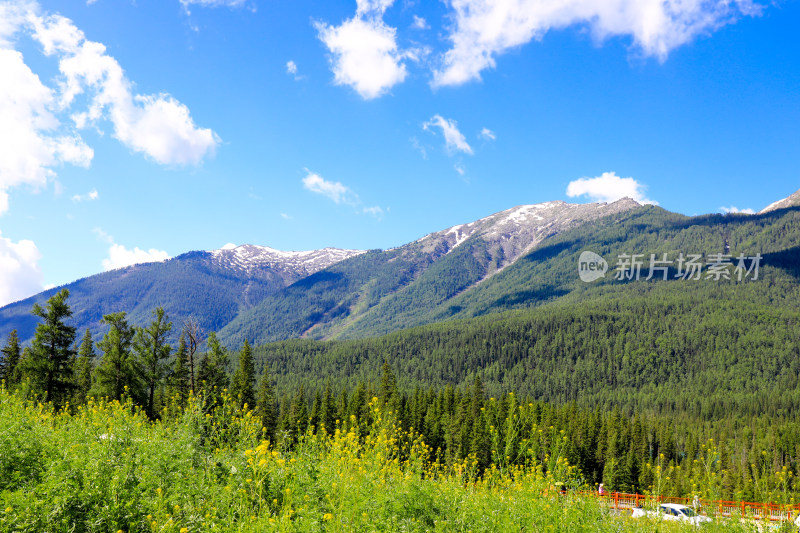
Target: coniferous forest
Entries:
(682, 398)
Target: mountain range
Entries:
(518, 258)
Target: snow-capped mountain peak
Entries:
(519, 229)
(249, 257)
(789, 201)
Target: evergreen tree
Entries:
(152, 352)
(265, 406)
(11, 355)
(212, 376)
(50, 360)
(84, 368)
(244, 380)
(388, 390)
(328, 414)
(179, 383)
(119, 368)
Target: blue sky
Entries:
(139, 130)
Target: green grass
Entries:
(106, 467)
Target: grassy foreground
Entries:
(106, 467)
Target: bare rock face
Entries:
(514, 232)
(791, 201)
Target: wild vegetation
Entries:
(106, 466)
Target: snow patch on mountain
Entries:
(251, 257)
(514, 232)
(790, 201)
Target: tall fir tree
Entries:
(11, 354)
(119, 368)
(212, 376)
(388, 391)
(84, 368)
(266, 407)
(243, 386)
(50, 359)
(152, 352)
(178, 381)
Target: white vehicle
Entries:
(673, 512)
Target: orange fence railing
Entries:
(754, 510)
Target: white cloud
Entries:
(332, 189)
(286, 216)
(20, 274)
(291, 67)
(734, 209)
(486, 133)
(484, 29)
(417, 146)
(453, 138)
(608, 187)
(213, 3)
(228, 246)
(32, 141)
(460, 169)
(420, 23)
(119, 256)
(376, 211)
(40, 123)
(365, 55)
(91, 195)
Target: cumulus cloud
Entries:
(89, 196)
(488, 134)
(364, 51)
(334, 190)
(119, 256)
(453, 138)
(733, 209)
(608, 187)
(20, 274)
(40, 126)
(32, 141)
(291, 67)
(484, 29)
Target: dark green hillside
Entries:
(550, 271)
(702, 353)
(387, 291)
(332, 296)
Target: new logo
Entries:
(591, 267)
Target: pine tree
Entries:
(118, 369)
(244, 380)
(84, 368)
(328, 415)
(388, 390)
(194, 338)
(152, 352)
(179, 384)
(11, 355)
(49, 364)
(212, 376)
(265, 406)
